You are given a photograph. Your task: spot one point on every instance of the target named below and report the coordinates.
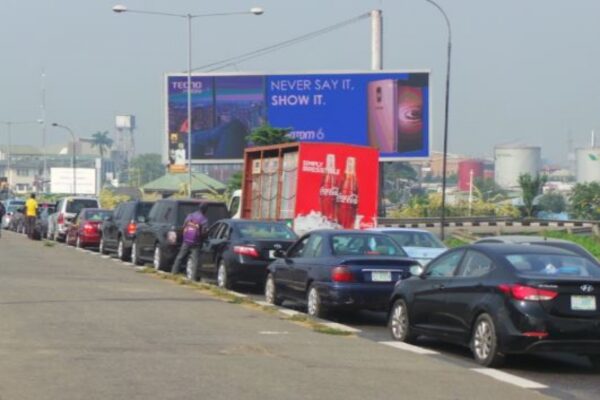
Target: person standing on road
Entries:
(194, 228)
(31, 209)
(2, 212)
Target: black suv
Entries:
(158, 239)
(119, 230)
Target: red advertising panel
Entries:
(337, 187)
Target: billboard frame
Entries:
(240, 161)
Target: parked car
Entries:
(237, 250)
(84, 231)
(66, 210)
(10, 206)
(159, 238)
(419, 244)
(338, 269)
(119, 230)
(501, 299)
(541, 241)
(40, 230)
(17, 221)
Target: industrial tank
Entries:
(464, 173)
(588, 164)
(513, 161)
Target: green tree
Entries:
(585, 201)
(553, 202)
(266, 135)
(146, 168)
(488, 190)
(101, 141)
(530, 187)
(234, 183)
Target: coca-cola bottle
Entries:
(347, 198)
(329, 189)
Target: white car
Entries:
(419, 244)
(66, 210)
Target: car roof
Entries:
(503, 249)
(392, 229)
(522, 239)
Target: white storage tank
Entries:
(588, 164)
(511, 161)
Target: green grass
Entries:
(452, 242)
(589, 242)
(48, 243)
(330, 331)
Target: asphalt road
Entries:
(78, 326)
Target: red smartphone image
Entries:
(410, 117)
(382, 115)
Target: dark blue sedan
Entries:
(337, 269)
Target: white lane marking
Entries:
(273, 333)
(127, 263)
(341, 327)
(105, 256)
(117, 260)
(409, 347)
(140, 268)
(509, 378)
(289, 313)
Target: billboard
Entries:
(386, 110)
(61, 180)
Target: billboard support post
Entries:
(73, 156)
(189, 104)
(376, 40)
(445, 155)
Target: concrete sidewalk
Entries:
(77, 326)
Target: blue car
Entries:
(338, 270)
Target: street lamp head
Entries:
(257, 11)
(119, 8)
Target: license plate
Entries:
(583, 303)
(272, 254)
(381, 276)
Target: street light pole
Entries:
(254, 11)
(73, 155)
(445, 155)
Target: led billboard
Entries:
(386, 110)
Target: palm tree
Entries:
(102, 142)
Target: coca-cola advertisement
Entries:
(338, 187)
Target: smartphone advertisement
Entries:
(385, 110)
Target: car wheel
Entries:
(314, 305)
(222, 276)
(135, 257)
(121, 253)
(595, 361)
(102, 247)
(191, 269)
(399, 324)
(158, 261)
(271, 292)
(484, 342)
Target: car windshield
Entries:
(265, 230)
(364, 245)
(536, 265)
(97, 215)
(13, 208)
(76, 205)
(415, 239)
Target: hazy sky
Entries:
(522, 70)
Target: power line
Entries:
(269, 49)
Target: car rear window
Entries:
(97, 215)
(415, 239)
(143, 209)
(364, 245)
(265, 230)
(552, 265)
(76, 205)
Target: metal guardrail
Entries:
(482, 221)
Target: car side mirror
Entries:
(109, 218)
(416, 270)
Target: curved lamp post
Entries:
(73, 156)
(445, 155)
(189, 17)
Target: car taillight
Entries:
(131, 228)
(342, 274)
(61, 219)
(172, 237)
(521, 292)
(89, 228)
(246, 251)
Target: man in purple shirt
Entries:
(194, 228)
